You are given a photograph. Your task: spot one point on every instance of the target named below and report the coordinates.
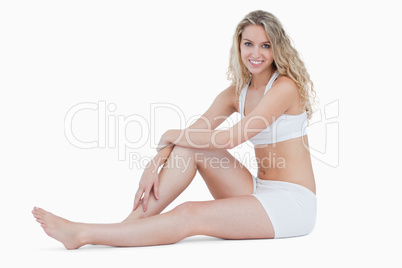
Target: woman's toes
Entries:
(37, 214)
(40, 220)
(35, 211)
(40, 211)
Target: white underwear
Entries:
(292, 208)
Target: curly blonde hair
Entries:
(286, 58)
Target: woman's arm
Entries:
(274, 103)
(221, 108)
(160, 158)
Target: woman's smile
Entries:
(255, 63)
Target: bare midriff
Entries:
(287, 161)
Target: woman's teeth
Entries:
(256, 62)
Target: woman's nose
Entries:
(256, 52)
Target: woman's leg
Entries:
(223, 174)
(174, 177)
(241, 217)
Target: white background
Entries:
(57, 54)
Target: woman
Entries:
(271, 90)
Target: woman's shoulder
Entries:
(287, 86)
(285, 82)
(289, 90)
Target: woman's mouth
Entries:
(256, 63)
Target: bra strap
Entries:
(271, 81)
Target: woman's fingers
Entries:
(156, 189)
(145, 200)
(137, 197)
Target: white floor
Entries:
(346, 235)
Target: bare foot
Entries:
(62, 230)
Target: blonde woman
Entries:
(271, 90)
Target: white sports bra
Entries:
(285, 127)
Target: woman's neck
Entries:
(261, 79)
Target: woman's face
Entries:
(255, 49)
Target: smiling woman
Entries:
(255, 50)
(271, 89)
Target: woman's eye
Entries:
(266, 46)
(248, 44)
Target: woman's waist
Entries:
(288, 162)
(279, 162)
(305, 179)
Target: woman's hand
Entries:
(149, 182)
(150, 178)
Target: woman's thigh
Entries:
(223, 174)
(241, 217)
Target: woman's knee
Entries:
(181, 157)
(186, 209)
(197, 157)
(188, 212)
(185, 152)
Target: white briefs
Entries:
(292, 208)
